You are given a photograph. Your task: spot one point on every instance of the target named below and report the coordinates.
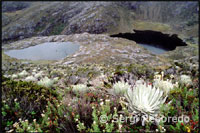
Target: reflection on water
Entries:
(45, 51)
(154, 50)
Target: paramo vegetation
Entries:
(38, 105)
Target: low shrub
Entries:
(23, 100)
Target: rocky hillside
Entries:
(108, 76)
(53, 18)
(14, 6)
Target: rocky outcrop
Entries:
(164, 12)
(96, 49)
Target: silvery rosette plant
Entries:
(23, 73)
(165, 85)
(185, 79)
(30, 78)
(120, 87)
(144, 99)
(80, 88)
(46, 82)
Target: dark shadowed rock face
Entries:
(158, 39)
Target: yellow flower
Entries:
(188, 129)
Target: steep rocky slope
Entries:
(53, 18)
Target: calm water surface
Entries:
(45, 51)
(154, 50)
